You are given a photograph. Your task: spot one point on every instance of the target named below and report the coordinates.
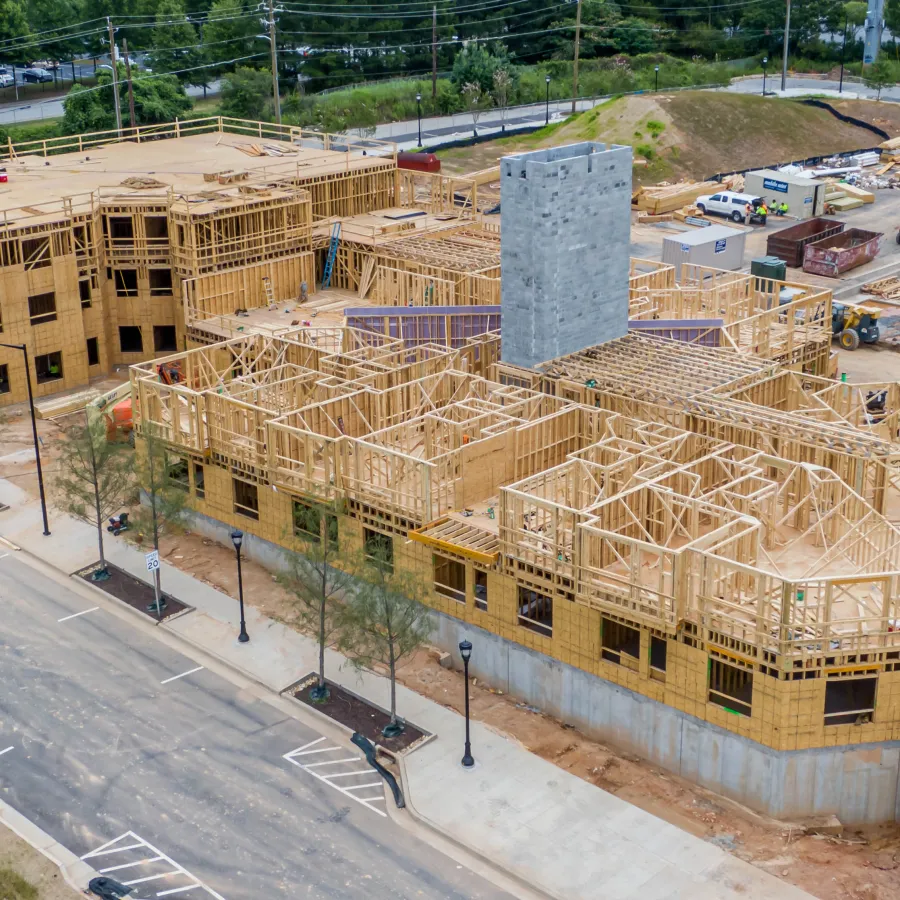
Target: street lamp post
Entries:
(419, 113)
(465, 651)
(547, 117)
(656, 70)
(765, 64)
(237, 538)
(37, 446)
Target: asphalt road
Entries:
(177, 782)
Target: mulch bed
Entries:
(357, 714)
(136, 593)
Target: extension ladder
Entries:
(270, 294)
(332, 253)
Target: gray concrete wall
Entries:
(566, 222)
(859, 783)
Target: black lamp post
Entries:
(237, 538)
(843, 47)
(465, 651)
(765, 64)
(656, 70)
(419, 111)
(547, 118)
(37, 446)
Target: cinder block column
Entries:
(564, 249)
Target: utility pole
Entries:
(115, 73)
(434, 54)
(130, 90)
(575, 66)
(874, 27)
(274, 51)
(787, 41)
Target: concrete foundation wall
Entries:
(564, 255)
(857, 783)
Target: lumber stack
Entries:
(858, 193)
(53, 407)
(666, 198)
(886, 288)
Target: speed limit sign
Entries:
(153, 560)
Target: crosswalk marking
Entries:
(350, 767)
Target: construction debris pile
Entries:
(656, 203)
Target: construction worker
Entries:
(762, 211)
(783, 209)
(748, 211)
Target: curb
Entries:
(530, 888)
(75, 871)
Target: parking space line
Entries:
(172, 869)
(140, 862)
(176, 677)
(6, 750)
(76, 615)
(352, 766)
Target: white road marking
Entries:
(171, 869)
(6, 750)
(351, 766)
(176, 677)
(76, 615)
(4, 555)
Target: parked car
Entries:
(6, 80)
(36, 76)
(729, 204)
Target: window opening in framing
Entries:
(36, 252)
(156, 227)
(42, 308)
(659, 648)
(730, 687)
(449, 578)
(850, 701)
(535, 611)
(307, 521)
(180, 473)
(199, 482)
(93, 351)
(618, 640)
(121, 228)
(379, 548)
(84, 291)
(126, 282)
(481, 590)
(48, 367)
(4, 379)
(160, 282)
(164, 338)
(130, 339)
(246, 499)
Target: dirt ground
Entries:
(714, 125)
(34, 867)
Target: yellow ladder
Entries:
(270, 294)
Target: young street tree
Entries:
(94, 479)
(313, 580)
(502, 86)
(384, 622)
(164, 482)
(475, 102)
(879, 74)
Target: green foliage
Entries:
(14, 887)
(383, 622)
(176, 45)
(645, 150)
(156, 99)
(655, 128)
(94, 477)
(228, 23)
(311, 574)
(247, 93)
(880, 74)
(86, 110)
(477, 63)
(14, 24)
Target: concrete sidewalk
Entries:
(554, 831)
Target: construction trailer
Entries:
(716, 246)
(805, 197)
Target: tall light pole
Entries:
(547, 117)
(273, 49)
(843, 48)
(656, 70)
(37, 446)
(237, 538)
(419, 113)
(575, 58)
(787, 41)
(115, 73)
(465, 651)
(765, 65)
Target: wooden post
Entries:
(434, 52)
(115, 74)
(130, 90)
(575, 60)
